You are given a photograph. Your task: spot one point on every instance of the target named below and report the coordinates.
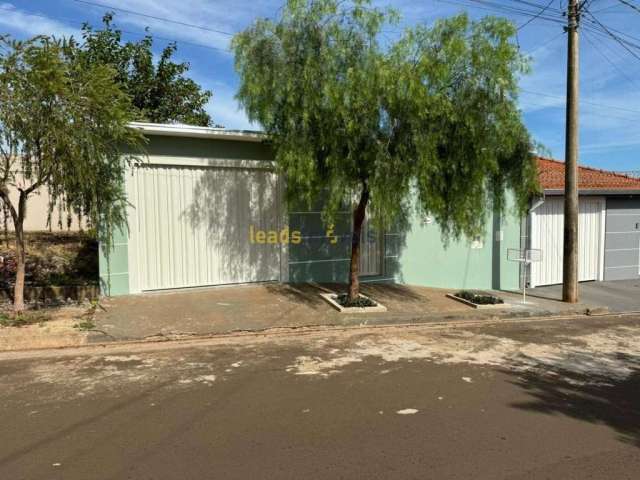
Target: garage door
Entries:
(622, 254)
(199, 225)
(547, 234)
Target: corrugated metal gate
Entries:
(198, 225)
(547, 235)
(622, 255)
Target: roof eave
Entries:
(190, 131)
(595, 191)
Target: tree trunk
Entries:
(358, 220)
(18, 291)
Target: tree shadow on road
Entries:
(594, 398)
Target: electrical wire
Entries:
(608, 31)
(504, 9)
(162, 19)
(596, 48)
(537, 16)
(630, 5)
(586, 102)
(140, 34)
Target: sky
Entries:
(609, 74)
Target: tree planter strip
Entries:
(330, 298)
(475, 305)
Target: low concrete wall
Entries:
(54, 294)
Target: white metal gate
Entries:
(200, 225)
(547, 234)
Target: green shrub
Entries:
(479, 298)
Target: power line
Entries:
(603, 29)
(630, 5)
(536, 16)
(551, 40)
(162, 19)
(611, 62)
(489, 4)
(504, 9)
(140, 34)
(612, 35)
(600, 115)
(586, 102)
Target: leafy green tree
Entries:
(62, 126)
(429, 121)
(160, 91)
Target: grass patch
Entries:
(479, 298)
(86, 322)
(24, 318)
(85, 325)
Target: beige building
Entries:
(37, 213)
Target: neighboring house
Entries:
(38, 213)
(207, 209)
(609, 225)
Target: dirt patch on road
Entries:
(595, 357)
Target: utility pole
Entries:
(571, 208)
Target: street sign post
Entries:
(524, 256)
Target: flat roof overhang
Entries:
(190, 131)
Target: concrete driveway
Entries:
(618, 296)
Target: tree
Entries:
(160, 92)
(429, 122)
(62, 124)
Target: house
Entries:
(609, 225)
(206, 208)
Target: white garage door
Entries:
(199, 225)
(547, 234)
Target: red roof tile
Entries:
(551, 175)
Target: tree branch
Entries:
(4, 195)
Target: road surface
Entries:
(526, 400)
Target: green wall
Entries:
(114, 267)
(207, 148)
(425, 258)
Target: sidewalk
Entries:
(268, 306)
(257, 308)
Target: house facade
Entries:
(207, 209)
(609, 225)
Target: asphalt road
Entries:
(548, 400)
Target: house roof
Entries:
(551, 176)
(181, 130)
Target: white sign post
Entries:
(524, 256)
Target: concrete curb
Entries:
(279, 332)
